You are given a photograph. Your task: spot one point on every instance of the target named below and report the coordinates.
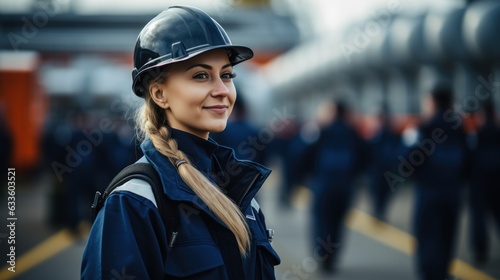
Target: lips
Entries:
(219, 109)
(216, 107)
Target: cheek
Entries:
(232, 100)
(187, 101)
(232, 97)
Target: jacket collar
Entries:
(198, 150)
(239, 179)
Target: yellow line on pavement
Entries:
(380, 231)
(463, 270)
(43, 251)
(404, 242)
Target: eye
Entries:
(201, 76)
(228, 76)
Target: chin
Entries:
(218, 127)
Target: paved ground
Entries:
(371, 249)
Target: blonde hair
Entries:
(151, 122)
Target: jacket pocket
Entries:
(194, 261)
(267, 259)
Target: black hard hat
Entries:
(177, 34)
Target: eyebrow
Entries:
(206, 66)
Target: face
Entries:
(428, 107)
(198, 94)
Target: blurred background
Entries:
(66, 125)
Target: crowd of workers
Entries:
(448, 166)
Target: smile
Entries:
(218, 109)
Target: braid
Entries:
(152, 122)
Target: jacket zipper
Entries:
(248, 189)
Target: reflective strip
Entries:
(139, 187)
(251, 217)
(255, 205)
(143, 159)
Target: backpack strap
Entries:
(143, 171)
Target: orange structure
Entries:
(23, 104)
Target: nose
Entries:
(220, 88)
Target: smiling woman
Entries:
(214, 228)
(198, 95)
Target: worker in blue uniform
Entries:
(440, 159)
(484, 188)
(184, 70)
(334, 161)
(385, 146)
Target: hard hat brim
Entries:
(236, 54)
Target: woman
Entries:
(183, 69)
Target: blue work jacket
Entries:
(335, 159)
(129, 238)
(445, 164)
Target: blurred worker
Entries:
(57, 135)
(440, 162)
(121, 148)
(87, 170)
(334, 161)
(385, 147)
(294, 148)
(298, 147)
(485, 182)
(5, 143)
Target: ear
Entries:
(159, 96)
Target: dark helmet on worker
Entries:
(177, 34)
